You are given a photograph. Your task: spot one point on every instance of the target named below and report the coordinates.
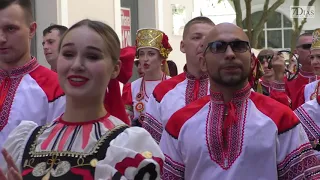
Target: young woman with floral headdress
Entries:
(153, 49)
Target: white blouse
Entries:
(129, 152)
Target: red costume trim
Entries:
(113, 101)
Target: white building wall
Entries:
(68, 12)
(165, 20)
(152, 13)
(46, 13)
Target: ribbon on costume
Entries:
(113, 101)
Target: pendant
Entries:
(139, 96)
(141, 118)
(139, 107)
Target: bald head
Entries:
(225, 32)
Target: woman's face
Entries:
(315, 61)
(264, 58)
(150, 60)
(84, 65)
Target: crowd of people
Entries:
(229, 115)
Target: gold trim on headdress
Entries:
(316, 39)
(153, 38)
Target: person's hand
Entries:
(13, 171)
(278, 65)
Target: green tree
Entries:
(297, 27)
(254, 30)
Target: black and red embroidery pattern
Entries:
(300, 164)
(173, 170)
(310, 127)
(153, 126)
(196, 88)
(225, 157)
(225, 152)
(10, 86)
(9, 83)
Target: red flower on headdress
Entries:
(165, 42)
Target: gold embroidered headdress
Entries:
(153, 38)
(156, 39)
(316, 39)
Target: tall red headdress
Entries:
(113, 101)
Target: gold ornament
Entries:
(93, 162)
(153, 38)
(316, 39)
(147, 154)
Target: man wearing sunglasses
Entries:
(235, 133)
(192, 84)
(264, 58)
(305, 76)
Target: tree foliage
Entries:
(254, 31)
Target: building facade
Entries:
(166, 15)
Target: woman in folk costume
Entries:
(264, 56)
(86, 142)
(309, 112)
(153, 49)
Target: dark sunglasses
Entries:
(221, 46)
(304, 46)
(263, 57)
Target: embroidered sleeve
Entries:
(16, 142)
(127, 100)
(135, 155)
(296, 157)
(152, 122)
(173, 166)
(56, 108)
(307, 114)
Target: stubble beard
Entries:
(234, 81)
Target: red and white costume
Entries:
(136, 95)
(309, 116)
(253, 141)
(306, 93)
(292, 88)
(266, 87)
(28, 92)
(169, 96)
(105, 148)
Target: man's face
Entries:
(303, 51)
(229, 65)
(264, 57)
(50, 45)
(193, 39)
(15, 36)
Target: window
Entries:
(276, 32)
